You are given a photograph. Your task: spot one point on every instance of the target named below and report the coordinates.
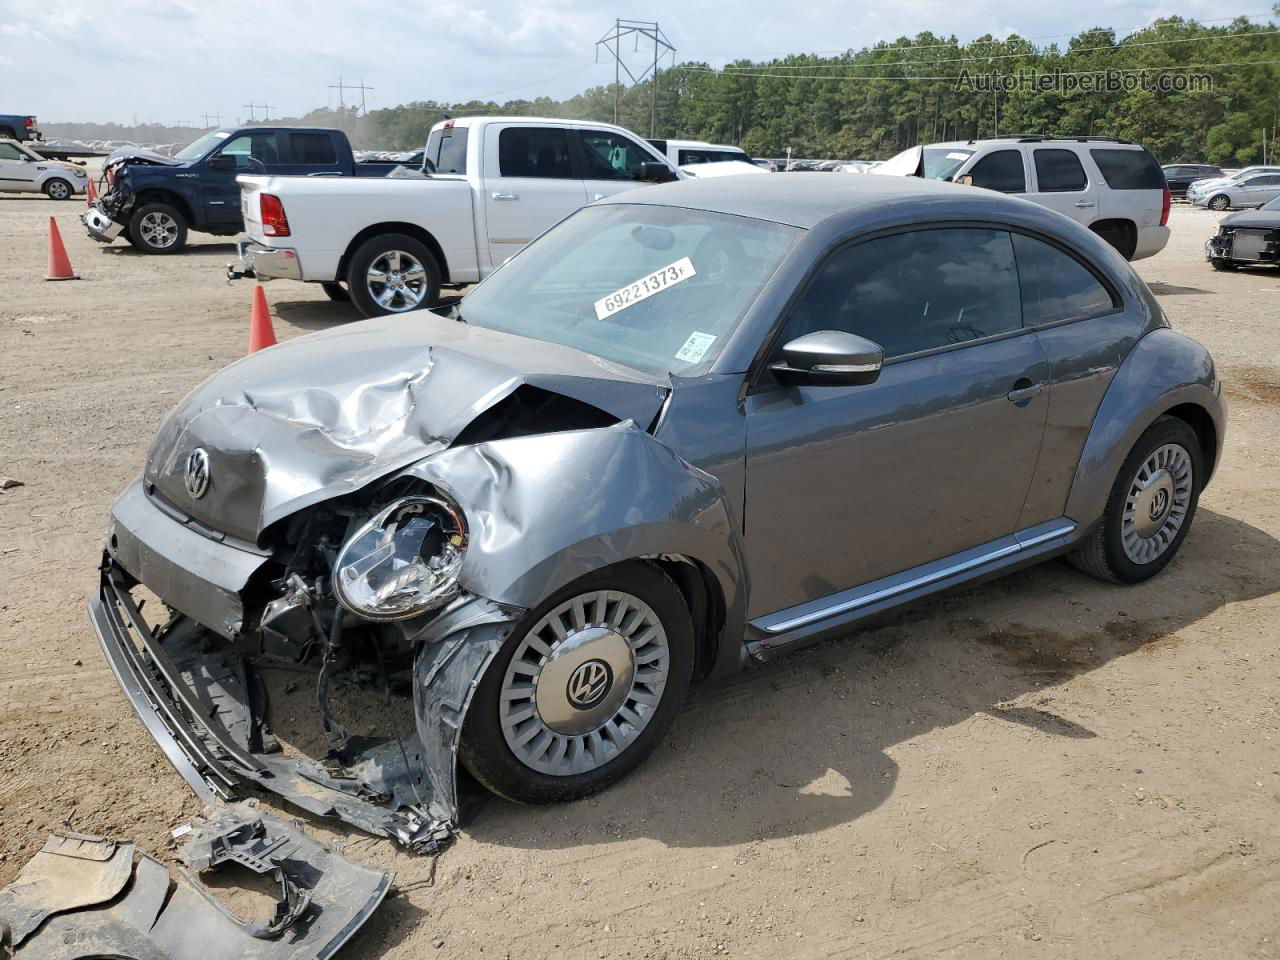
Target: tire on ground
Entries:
(483, 749)
(336, 292)
(370, 250)
(56, 188)
(1101, 554)
(158, 208)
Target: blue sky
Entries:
(175, 60)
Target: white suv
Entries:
(1116, 189)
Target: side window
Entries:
(1270, 180)
(250, 147)
(9, 152)
(534, 152)
(312, 149)
(452, 157)
(1059, 171)
(610, 156)
(915, 291)
(1000, 170)
(1128, 169)
(688, 157)
(1056, 286)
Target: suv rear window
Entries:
(1129, 169)
(447, 150)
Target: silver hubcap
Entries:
(159, 229)
(58, 190)
(397, 281)
(1220, 203)
(584, 682)
(1157, 503)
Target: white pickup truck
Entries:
(489, 186)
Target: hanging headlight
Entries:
(404, 561)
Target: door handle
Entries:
(506, 196)
(1085, 203)
(1024, 391)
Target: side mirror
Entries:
(830, 357)
(966, 180)
(221, 162)
(651, 171)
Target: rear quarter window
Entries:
(447, 150)
(1128, 169)
(313, 148)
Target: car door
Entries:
(1003, 170)
(849, 484)
(529, 185)
(256, 152)
(1256, 191)
(17, 172)
(611, 162)
(1061, 184)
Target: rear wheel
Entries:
(393, 273)
(1120, 235)
(1220, 202)
(158, 228)
(58, 189)
(583, 690)
(1151, 506)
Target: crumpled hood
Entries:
(325, 414)
(1254, 219)
(121, 154)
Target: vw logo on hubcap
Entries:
(197, 476)
(1158, 504)
(589, 683)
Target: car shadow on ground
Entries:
(312, 315)
(1173, 290)
(123, 248)
(830, 714)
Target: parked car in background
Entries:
(20, 127)
(154, 200)
(1116, 189)
(1248, 238)
(634, 457)
(1179, 176)
(1251, 190)
(1201, 188)
(22, 170)
(686, 153)
(721, 168)
(489, 186)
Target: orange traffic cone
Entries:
(90, 194)
(59, 265)
(260, 332)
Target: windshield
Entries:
(940, 163)
(658, 289)
(196, 150)
(1273, 205)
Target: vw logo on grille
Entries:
(197, 477)
(589, 683)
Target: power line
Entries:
(251, 107)
(343, 87)
(534, 83)
(733, 68)
(637, 28)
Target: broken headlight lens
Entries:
(404, 561)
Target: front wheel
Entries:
(583, 690)
(392, 273)
(1151, 506)
(58, 189)
(1220, 202)
(1219, 264)
(158, 228)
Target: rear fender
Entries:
(1163, 370)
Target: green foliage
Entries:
(873, 102)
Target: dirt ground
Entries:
(1041, 766)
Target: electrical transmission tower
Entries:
(343, 87)
(650, 30)
(266, 111)
(217, 119)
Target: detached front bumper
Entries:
(265, 263)
(100, 226)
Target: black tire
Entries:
(374, 248)
(1122, 238)
(336, 292)
(142, 235)
(1220, 202)
(1102, 553)
(55, 188)
(8, 134)
(1226, 265)
(483, 749)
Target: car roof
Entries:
(807, 199)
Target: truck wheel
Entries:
(392, 273)
(58, 189)
(584, 688)
(8, 134)
(1151, 506)
(1119, 236)
(336, 292)
(158, 228)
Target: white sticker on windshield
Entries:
(645, 287)
(696, 347)
(957, 156)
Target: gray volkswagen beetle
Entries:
(688, 427)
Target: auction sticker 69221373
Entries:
(645, 287)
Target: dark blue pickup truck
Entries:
(153, 200)
(19, 126)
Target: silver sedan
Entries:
(1248, 192)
